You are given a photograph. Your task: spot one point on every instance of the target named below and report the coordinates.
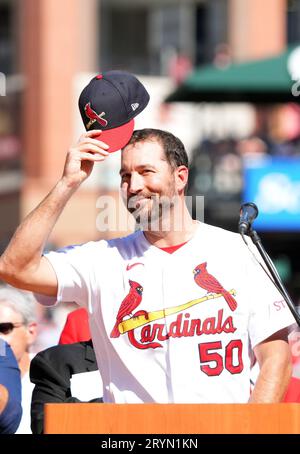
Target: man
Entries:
(10, 390)
(172, 310)
(54, 371)
(19, 329)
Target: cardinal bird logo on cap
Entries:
(93, 116)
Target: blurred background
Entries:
(228, 70)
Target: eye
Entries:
(125, 177)
(147, 171)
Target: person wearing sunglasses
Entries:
(19, 329)
(10, 390)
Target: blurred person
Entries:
(47, 330)
(53, 372)
(293, 390)
(180, 66)
(252, 148)
(19, 329)
(173, 309)
(223, 56)
(10, 389)
(50, 324)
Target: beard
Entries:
(151, 211)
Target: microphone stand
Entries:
(271, 267)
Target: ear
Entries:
(181, 175)
(31, 332)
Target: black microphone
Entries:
(248, 213)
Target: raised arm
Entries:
(274, 360)
(22, 264)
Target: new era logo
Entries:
(134, 106)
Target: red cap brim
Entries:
(117, 138)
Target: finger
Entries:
(92, 149)
(93, 132)
(91, 157)
(94, 141)
(87, 140)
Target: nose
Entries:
(136, 183)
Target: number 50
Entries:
(207, 356)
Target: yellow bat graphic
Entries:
(136, 322)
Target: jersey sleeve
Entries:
(75, 268)
(269, 312)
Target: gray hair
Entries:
(20, 301)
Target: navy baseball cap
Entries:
(110, 102)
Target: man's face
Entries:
(147, 181)
(19, 338)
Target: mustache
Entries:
(159, 202)
(138, 197)
(133, 202)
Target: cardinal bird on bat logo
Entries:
(93, 116)
(212, 285)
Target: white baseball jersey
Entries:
(172, 327)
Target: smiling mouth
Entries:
(135, 204)
(140, 202)
(138, 199)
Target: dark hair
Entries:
(172, 146)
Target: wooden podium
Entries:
(89, 418)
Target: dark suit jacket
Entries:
(51, 371)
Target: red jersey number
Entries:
(233, 357)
